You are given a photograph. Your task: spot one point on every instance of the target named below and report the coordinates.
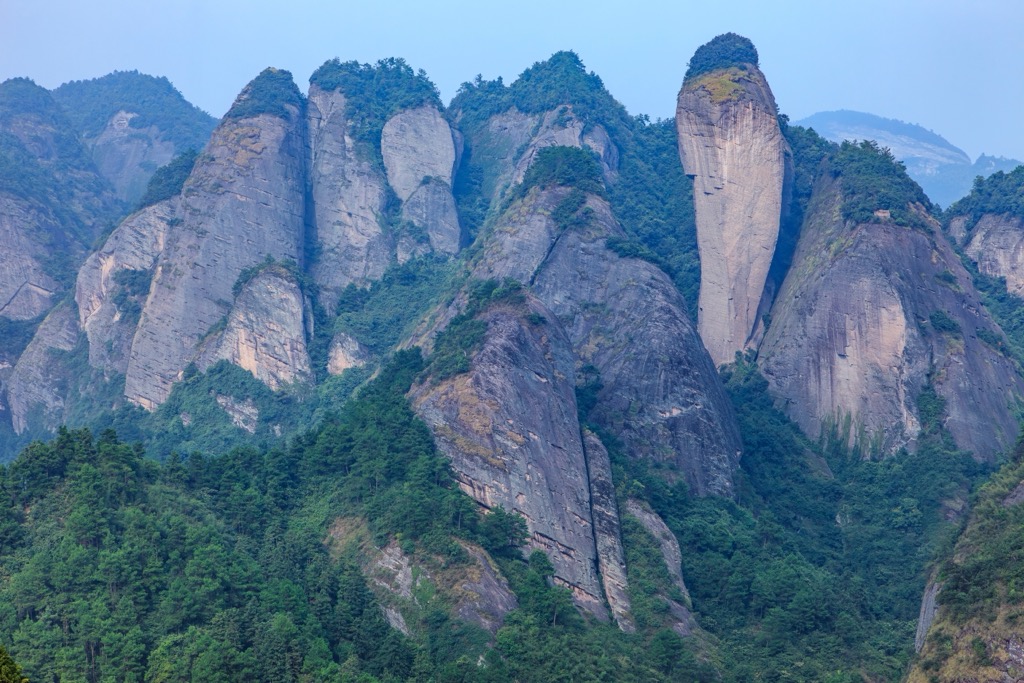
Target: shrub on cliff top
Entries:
(728, 49)
(375, 92)
(268, 93)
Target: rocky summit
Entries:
(354, 384)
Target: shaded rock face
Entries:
(510, 429)
(265, 332)
(26, 288)
(659, 392)
(506, 145)
(130, 251)
(611, 559)
(127, 156)
(37, 383)
(866, 317)
(731, 144)
(996, 244)
(349, 195)
(244, 201)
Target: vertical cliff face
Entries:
(37, 386)
(419, 152)
(266, 331)
(114, 282)
(53, 202)
(244, 201)
(349, 195)
(870, 314)
(658, 390)
(510, 428)
(731, 144)
(996, 244)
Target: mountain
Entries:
(942, 169)
(132, 124)
(518, 388)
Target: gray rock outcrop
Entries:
(38, 383)
(731, 144)
(660, 393)
(130, 251)
(510, 429)
(265, 332)
(349, 195)
(611, 559)
(346, 352)
(244, 201)
(868, 315)
(996, 245)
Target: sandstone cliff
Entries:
(658, 391)
(996, 244)
(266, 331)
(114, 282)
(37, 387)
(510, 429)
(868, 315)
(731, 144)
(244, 201)
(349, 195)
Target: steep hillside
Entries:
(877, 316)
(975, 632)
(132, 124)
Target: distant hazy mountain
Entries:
(943, 170)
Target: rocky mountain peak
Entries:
(731, 144)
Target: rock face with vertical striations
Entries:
(36, 385)
(509, 427)
(244, 201)
(611, 559)
(731, 144)
(868, 316)
(996, 244)
(265, 332)
(419, 152)
(349, 195)
(659, 391)
(114, 282)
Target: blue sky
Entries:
(950, 65)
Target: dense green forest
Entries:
(90, 104)
(721, 52)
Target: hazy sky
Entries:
(950, 65)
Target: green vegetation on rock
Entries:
(872, 181)
(376, 92)
(271, 92)
(155, 102)
(721, 52)
(169, 179)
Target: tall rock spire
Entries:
(731, 145)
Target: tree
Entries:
(10, 672)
